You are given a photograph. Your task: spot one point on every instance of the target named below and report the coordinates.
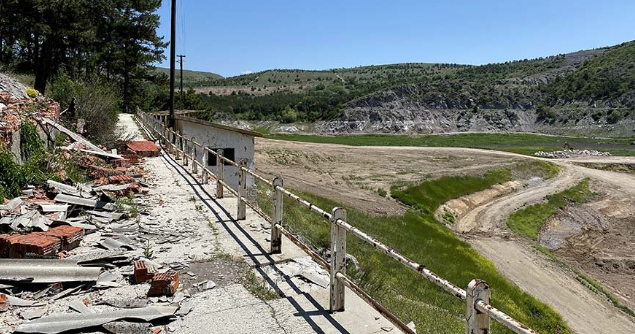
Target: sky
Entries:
(239, 36)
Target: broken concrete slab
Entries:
(58, 323)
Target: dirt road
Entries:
(585, 311)
(491, 216)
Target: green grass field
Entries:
(528, 221)
(521, 143)
(421, 238)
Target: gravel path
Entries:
(184, 206)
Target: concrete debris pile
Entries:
(571, 154)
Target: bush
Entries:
(34, 169)
(31, 92)
(289, 115)
(381, 192)
(614, 116)
(95, 102)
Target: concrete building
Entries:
(237, 145)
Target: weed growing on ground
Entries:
(258, 287)
(128, 206)
(429, 195)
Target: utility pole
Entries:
(172, 121)
(181, 63)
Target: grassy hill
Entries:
(191, 78)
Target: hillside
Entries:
(590, 90)
(191, 78)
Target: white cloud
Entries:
(247, 72)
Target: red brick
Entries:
(36, 243)
(70, 236)
(142, 272)
(144, 148)
(4, 302)
(164, 284)
(4, 245)
(120, 179)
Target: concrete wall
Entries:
(213, 137)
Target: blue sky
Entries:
(239, 36)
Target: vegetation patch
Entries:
(528, 221)
(421, 238)
(429, 195)
(520, 143)
(13, 177)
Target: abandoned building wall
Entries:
(237, 146)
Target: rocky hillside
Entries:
(584, 92)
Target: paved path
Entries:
(233, 309)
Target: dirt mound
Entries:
(455, 209)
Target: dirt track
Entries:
(351, 175)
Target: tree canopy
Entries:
(114, 40)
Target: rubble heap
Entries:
(12, 110)
(571, 154)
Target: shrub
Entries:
(95, 101)
(31, 92)
(381, 192)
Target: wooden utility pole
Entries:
(181, 64)
(172, 121)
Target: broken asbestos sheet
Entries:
(59, 323)
(46, 271)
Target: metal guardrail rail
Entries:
(479, 311)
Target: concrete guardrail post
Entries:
(242, 191)
(220, 163)
(338, 260)
(477, 322)
(185, 152)
(177, 147)
(194, 164)
(276, 234)
(204, 175)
